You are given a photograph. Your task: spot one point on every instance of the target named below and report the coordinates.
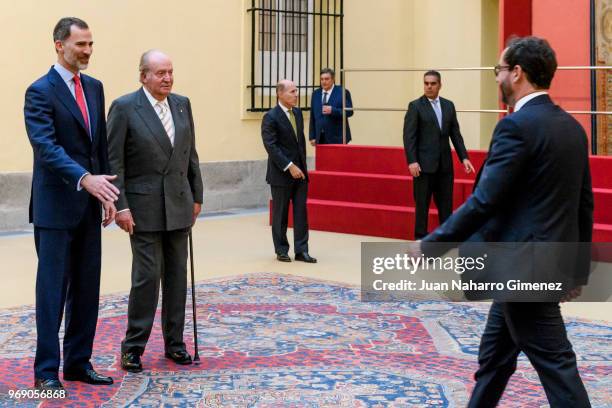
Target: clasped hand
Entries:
(100, 186)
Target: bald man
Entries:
(282, 131)
(152, 150)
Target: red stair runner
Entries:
(367, 190)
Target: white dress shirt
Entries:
(432, 101)
(163, 102)
(323, 91)
(68, 78)
(521, 102)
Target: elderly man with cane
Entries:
(152, 150)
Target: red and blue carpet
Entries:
(270, 340)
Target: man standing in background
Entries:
(65, 121)
(428, 125)
(152, 150)
(282, 131)
(326, 111)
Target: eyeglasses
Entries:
(499, 68)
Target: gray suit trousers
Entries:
(157, 257)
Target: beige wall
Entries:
(204, 38)
(421, 34)
(210, 45)
(489, 94)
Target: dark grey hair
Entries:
(328, 71)
(431, 72)
(61, 32)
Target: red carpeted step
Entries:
(603, 205)
(379, 160)
(368, 190)
(377, 220)
(362, 159)
(373, 188)
(602, 233)
(383, 220)
(364, 219)
(601, 172)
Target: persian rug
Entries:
(269, 340)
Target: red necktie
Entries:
(80, 99)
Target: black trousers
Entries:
(157, 257)
(536, 329)
(322, 139)
(440, 185)
(68, 275)
(296, 193)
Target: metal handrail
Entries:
(404, 110)
(345, 70)
(471, 111)
(569, 67)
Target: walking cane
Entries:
(196, 356)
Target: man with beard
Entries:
(152, 150)
(534, 186)
(65, 121)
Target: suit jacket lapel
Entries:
(444, 106)
(334, 94)
(151, 120)
(92, 105)
(178, 117)
(317, 102)
(65, 96)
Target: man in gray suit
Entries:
(152, 150)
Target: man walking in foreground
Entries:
(534, 186)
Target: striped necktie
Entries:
(166, 120)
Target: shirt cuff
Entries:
(79, 186)
(124, 210)
(289, 165)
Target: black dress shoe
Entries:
(131, 362)
(304, 257)
(179, 357)
(48, 384)
(89, 376)
(283, 257)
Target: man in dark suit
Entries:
(326, 111)
(282, 131)
(64, 117)
(428, 125)
(153, 152)
(534, 186)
